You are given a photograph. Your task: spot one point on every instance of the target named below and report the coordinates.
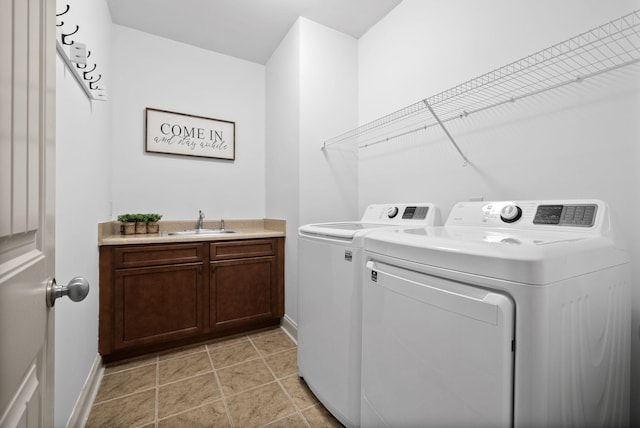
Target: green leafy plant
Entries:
(139, 218)
(126, 218)
(154, 217)
(142, 218)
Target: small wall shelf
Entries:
(608, 47)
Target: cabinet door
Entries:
(242, 291)
(157, 304)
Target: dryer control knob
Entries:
(510, 213)
(392, 212)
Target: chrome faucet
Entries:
(200, 219)
(221, 224)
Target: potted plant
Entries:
(152, 223)
(127, 224)
(141, 223)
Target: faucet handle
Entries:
(221, 224)
(200, 219)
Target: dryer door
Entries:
(434, 352)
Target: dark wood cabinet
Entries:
(156, 304)
(159, 296)
(243, 283)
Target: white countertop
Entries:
(109, 232)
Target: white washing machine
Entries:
(512, 314)
(330, 266)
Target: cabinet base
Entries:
(200, 339)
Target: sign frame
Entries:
(184, 134)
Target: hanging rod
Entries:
(608, 47)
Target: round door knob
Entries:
(77, 290)
(510, 213)
(392, 212)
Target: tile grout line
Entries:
(186, 379)
(313, 404)
(190, 409)
(113, 371)
(214, 371)
(129, 394)
(222, 394)
(157, 406)
(253, 340)
(257, 357)
(277, 380)
(264, 360)
(191, 376)
(123, 396)
(155, 397)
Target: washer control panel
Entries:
(510, 213)
(415, 213)
(419, 214)
(412, 212)
(551, 214)
(566, 215)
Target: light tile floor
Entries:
(245, 381)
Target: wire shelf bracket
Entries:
(444, 128)
(611, 46)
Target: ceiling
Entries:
(247, 29)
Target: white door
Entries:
(27, 158)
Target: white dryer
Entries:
(512, 314)
(330, 266)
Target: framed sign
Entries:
(189, 135)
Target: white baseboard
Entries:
(290, 327)
(85, 400)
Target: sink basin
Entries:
(202, 232)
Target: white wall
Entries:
(83, 164)
(575, 142)
(102, 170)
(154, 72)
(283, 152)
(311, 96)
(328, 106)
(578, 142)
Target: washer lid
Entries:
(530, 257)
(344, 230)
(377, 216)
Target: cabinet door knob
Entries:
(213, 269)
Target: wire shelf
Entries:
(608, 47)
